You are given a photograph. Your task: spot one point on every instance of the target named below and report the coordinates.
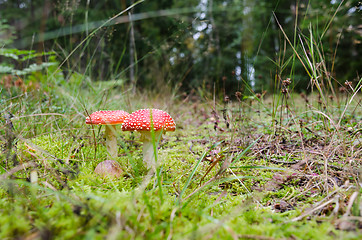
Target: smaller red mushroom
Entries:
(109, 119)
(140, 121)
(108, 168)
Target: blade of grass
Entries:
(158, 168)
(148, 204)
(295, 51)
(96, 30)
(259, 167)
(211, 182)
(194, 170)
(238, 157)
(359, 85)
(330, 21)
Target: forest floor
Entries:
(252, 169)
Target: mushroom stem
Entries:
(111, 141)
(149, 155)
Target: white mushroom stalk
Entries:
(140, 121)
(110, 119)
(149, 152)
(111, 141)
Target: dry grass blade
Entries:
(291, 45)
(350, 204)
(349, 102)
(93, 33)
(194, 170)
(310, 212)
(17, 169)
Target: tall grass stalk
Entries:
(194, 170)
(157, 168)
(96, 30)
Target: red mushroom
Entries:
(140, 121)
(109, 119)
(109, 168)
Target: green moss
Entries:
(69, 201)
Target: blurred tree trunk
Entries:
(42, 29)
(215, 40)
(32, 9)
(132, 53)
(247, 42)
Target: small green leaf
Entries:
(6, 68)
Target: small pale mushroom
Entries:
(110, 119)
(140, 121)
(108, 168)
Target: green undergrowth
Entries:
(230, 171)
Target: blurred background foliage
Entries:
(192, 45)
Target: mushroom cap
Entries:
(108, 168)
(140, 120)
(107, 117)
